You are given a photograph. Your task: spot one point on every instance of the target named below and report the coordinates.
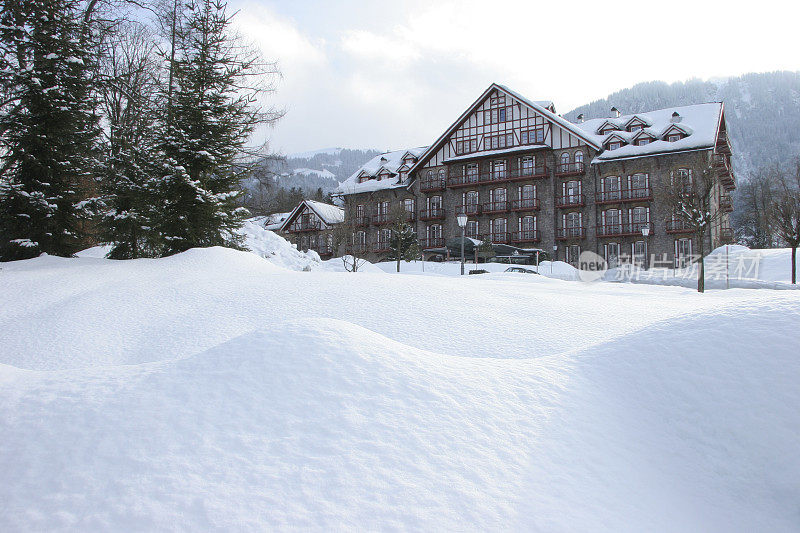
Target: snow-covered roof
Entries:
(274, 221)
(327, 213)
(500, 151)
(700, 123)
(390, 162)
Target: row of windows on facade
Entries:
(643, 140)
(526, 164)
(500, 141)
(612, 252)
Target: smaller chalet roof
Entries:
(389, 162)
(327, 213)
(700, 122)
(274, 221)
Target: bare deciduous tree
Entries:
(689, 196)
(785, 213)
(346, 236)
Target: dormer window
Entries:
(643, 141)
(672, 137)
(606, 131)
(636, 127)
(613, 145)
(403, 175)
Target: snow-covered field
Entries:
(219, 390)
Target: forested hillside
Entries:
(762, 110)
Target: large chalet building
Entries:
(529, 179)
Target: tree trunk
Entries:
(701, 274)
(398, 262)
(794, 265)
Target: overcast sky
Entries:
(395, 74)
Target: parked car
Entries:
(479, 271)
(521, 270)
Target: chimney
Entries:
(384, 160)
(580, 118)
(676, 117)
(615, 112)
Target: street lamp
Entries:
(645, 233)
(553, 259)
(462, 223)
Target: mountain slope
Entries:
(762, 110)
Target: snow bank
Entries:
(276, 249)
(556, 270)
(216, 390)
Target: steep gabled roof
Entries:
(390, 162)
(327, 213)
(535, 105)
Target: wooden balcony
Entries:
(491, 208)
(309, 226)
(576, 232)
(435, 213)
(469, 209)
(432, 185)
(564, 170)
(521, 174)
(726, 203)
(623, 229)
(624, 195)
(526, 235)
(525, 204)
(498, 237)
(570, 200)
(679, 226)
(433, 242)
(722, 165)
(362, 221)
(381, 247)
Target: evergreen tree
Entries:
(210, 117)
(49, 132)
(131, 107)
(403, 244)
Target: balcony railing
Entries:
(679, 226)
(624, 195)
(381, 246)
(499, 237)
(434, 213)
(574, 232)
(725, 203)
(466, 180)
(308, 226)
(360, 248)
(723, 167)
(381, 218)
(362, 221)
(469, 209)
(501, 206)
(570, 200)
(570, 169)
(627, 228)
(430, 185)
(526, 235)
(525, 204)
(433, 242)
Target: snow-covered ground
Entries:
(217, 389)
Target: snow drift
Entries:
(215, 390)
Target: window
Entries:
(564, 160)
(434, 203)
(408, 205)
(672, 137)
(527, 224)
(466, 146)
(613, 145)
(643, 141)
(611, 221)
(639, 218)
(578, 157)
(498, 169)
(441, 174)
(638, 185)
(683, 252)
(534, 136)
(403, 175)
(527, 165)
(498, 229)
(610, 188)
(572, 192)
(472, 228)
(498, 100)
(429, 175)
(496, 142)
(360, 211)
(639, 252)
(527, 192)
(573, 220)
(497, 197)
(683, 176)
(501, 114)
(612, 254)
(434, 231)
(470, 200)
(471, 173)
(382, 209)
(573, 254)
(361, 238)
(635, 127)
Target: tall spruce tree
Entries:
(131, 106)
(49, 128)
(210, 117)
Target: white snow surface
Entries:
(217, 390)
(389, 161)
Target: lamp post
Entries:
(462, 223)
(645, 233)
(553, 259)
